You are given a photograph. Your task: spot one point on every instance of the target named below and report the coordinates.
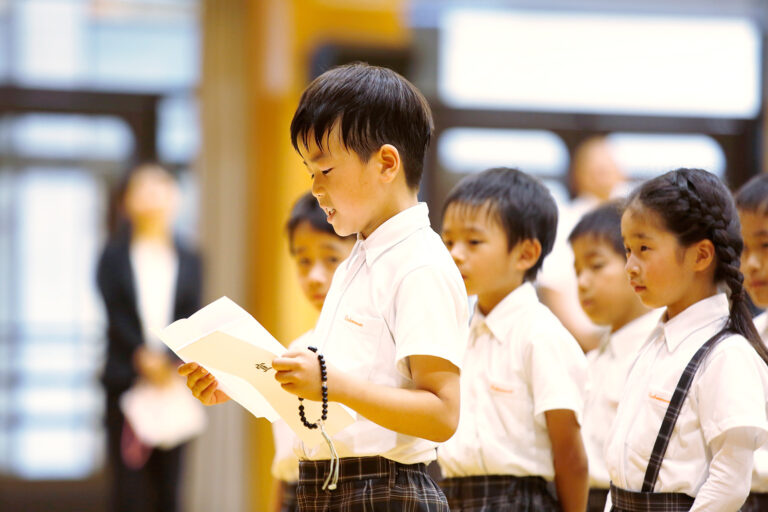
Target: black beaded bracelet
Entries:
(324, 385)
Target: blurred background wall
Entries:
(209, 86)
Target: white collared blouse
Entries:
(728, 391)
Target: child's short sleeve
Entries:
(431, 313)
(731, 390)
(558, 370)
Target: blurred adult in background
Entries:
(147, 279)
(595, 177)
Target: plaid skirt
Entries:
(756, 502)
(633, 501)
(499, 493)
(369, 484)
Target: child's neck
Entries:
(399, 203)
(486, 302)
(697, 292)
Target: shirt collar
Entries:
(706, 314)
(628, 339)
(393, 231)
(502, 318)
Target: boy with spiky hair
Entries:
(523, 373)
(393, 327)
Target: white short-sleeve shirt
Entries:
(399, 294)
(520, 363)
(728, 391)
(760, 469)
(607, 369)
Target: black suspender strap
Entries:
(673, 411)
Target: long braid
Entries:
(695, 205)
(728, 270)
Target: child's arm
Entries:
(730, 472)
(569, 459)
(429, 411)
(203, 385)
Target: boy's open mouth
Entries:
(329, 212)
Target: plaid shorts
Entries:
(369, 484)
(289, 498)
(633, 501)
(756, 502)
(499, 493)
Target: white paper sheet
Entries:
(238, 351)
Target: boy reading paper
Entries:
(392, 331)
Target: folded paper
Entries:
(229, 343)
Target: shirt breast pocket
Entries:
(362, 341)
(648, 422)
(511, 403)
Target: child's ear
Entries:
(389, 162)
(704, 254)
(528, 253)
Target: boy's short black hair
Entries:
(753, 195)
(602, 223)
(307, 209)
(373, 106)
(523, 206)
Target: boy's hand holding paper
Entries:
(203, 385)
(299, 373)
(233, 355)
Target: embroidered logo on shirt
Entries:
(659, 398)
(500, 389)
(348, 319)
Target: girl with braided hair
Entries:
(693, 409)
